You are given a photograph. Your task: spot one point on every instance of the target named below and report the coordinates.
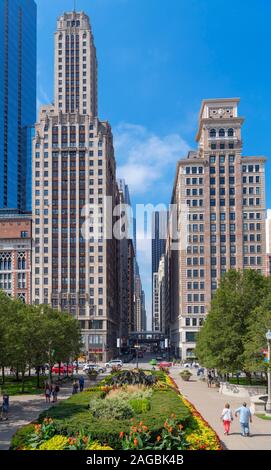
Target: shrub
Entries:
(114, 408)
(21, 437)
(140, 405)
(185, 374)
(55, 443)
(97, 446)
(133, 377)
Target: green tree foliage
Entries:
(33, 335)
(223, 339)
(259, 323)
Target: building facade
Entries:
(220, 200)
(17, 100)
(268, 243)
(159, 230)
(15, 254)
(76, 256)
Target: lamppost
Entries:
(268, 404)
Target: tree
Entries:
(222, 339)
(259, 323)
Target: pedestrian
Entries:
(48, 390)
(245, 417)
(227, 418)
(75, 387)
(81, 383)
(5, 407)
(55, 391)
(209, 379)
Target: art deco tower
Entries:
(74, 166)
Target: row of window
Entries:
(222, 146)
(213, 133)
(194, 321)
(222, 158)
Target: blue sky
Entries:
(157, 61)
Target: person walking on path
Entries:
(227, 418)
(75, 387)
(245, 417)
(5, 407)
(209, 379)
(47, 390)
(55, 393)
(81, 383)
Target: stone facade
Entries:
(15, 254)
(220, 200)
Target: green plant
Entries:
(97, 446)
(140, 405)
(42, 432)
(172, 436)
(56, 442)
(185, 374)
(114, 408)
(21, 437)
(133, 377)
(138, 438)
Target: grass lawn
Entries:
(72, 415)
(262, 416)
(245, 381)
(13, 387)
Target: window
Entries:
(230, 132)
(212, 133)
(221, 133)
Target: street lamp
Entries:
(268, 404)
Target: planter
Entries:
(185, 375)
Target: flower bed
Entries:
(162, 419)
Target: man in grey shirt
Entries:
(245, 418)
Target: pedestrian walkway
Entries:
(209, 402)
(23, 410)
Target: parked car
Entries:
(165, 364)
(63, 369)
(96, 367)
(114, 362)
(159, 358)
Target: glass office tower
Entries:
(17, 100)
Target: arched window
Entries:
(230, 132)
(21, 261)
(5, 261)
(212, 133)
(221, 132)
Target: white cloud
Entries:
(144, 156)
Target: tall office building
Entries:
(159, 231)
(75, 259)
(17, 100)
(220, 200)
(268, 242)
(126, 265)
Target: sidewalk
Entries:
(23, 410)
(209, 402)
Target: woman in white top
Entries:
(227, 418)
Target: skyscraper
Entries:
(220, 200)
(159, 230)
(75, 269)
(17, 100)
